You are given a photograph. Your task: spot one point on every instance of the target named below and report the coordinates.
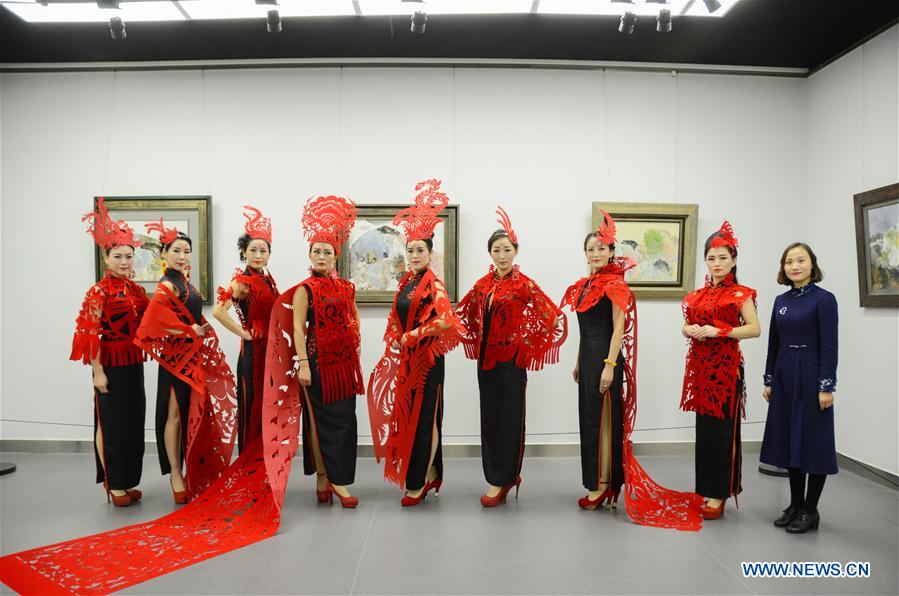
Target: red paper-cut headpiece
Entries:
(257, 226)
(166, 235)
(725, 238)
(506, 223)
(419, 220)
(606, 229)
(329, 219)
(108, 233)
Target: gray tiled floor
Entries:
(540, 544)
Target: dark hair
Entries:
(731, 250)
(596, 235)
(496, 236)
(181, 236)
(106, 251)
(244, 242)
(817, 274)
(429, 242)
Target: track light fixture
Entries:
(663, 22)
(711, 5)
(113, 4)
(273, 21)
(117, 28)
(628, 22)
(419, 22)
(266, 2)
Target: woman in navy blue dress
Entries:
(800, 378)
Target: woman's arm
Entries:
(773, 348)
(749, 329)
(300, 313)
(221, 312)
(608, 372)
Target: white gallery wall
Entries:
(543, 143)
(852, 145)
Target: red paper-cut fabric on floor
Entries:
(236, 510)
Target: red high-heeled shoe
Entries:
(134, 494)
(408, 501)
(500, 497)
(607, 498)
(345, 502)
(180, 496)
(323, 496)
(118, 500)
(713, 512)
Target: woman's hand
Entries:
(246, 335)
(576, 373)
(605, 380)
(304, 374)
(408, 339)
(101, 383)
(395, 346)
(766, 393)
(825, 399)
(691, 330)
(707, 331)
(201, 330)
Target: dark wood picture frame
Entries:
(865, 244)
(384, 214)
(195, 208)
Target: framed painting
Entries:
(661, 239)
(190, 214)
(877, 246)
(374, 256)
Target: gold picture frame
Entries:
(661, 239)
(191, 214)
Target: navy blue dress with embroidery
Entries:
(802, 360)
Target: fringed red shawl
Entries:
(647, 502)
(200, 363)
(105, 327)
(335, 342)
(392, 411)
(525, 323)
(713, 365)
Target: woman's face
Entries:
(120, 261)
(177, 257)
(322, 256)
(798, 266)
(503, 254)
(417, 255)
(257, 254)
(719, 262)
(598, 254)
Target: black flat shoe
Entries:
(803, 523)
(789, 514)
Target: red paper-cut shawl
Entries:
(647, 502)
(392, 411)
(525, 323)
(105, 327)
(200, 363)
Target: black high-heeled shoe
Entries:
(804, 522)
(789, 514)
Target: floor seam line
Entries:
(371, 523)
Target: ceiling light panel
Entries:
(248, 9)
(432, 7)
(699, 9)
(89, 12)
(606, 7)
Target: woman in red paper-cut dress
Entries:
(606, 373)
(512, 327)
(314, 380)
(405, 392)
(195, 390)
(253, 291)
(104, 339)
(717, 316)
